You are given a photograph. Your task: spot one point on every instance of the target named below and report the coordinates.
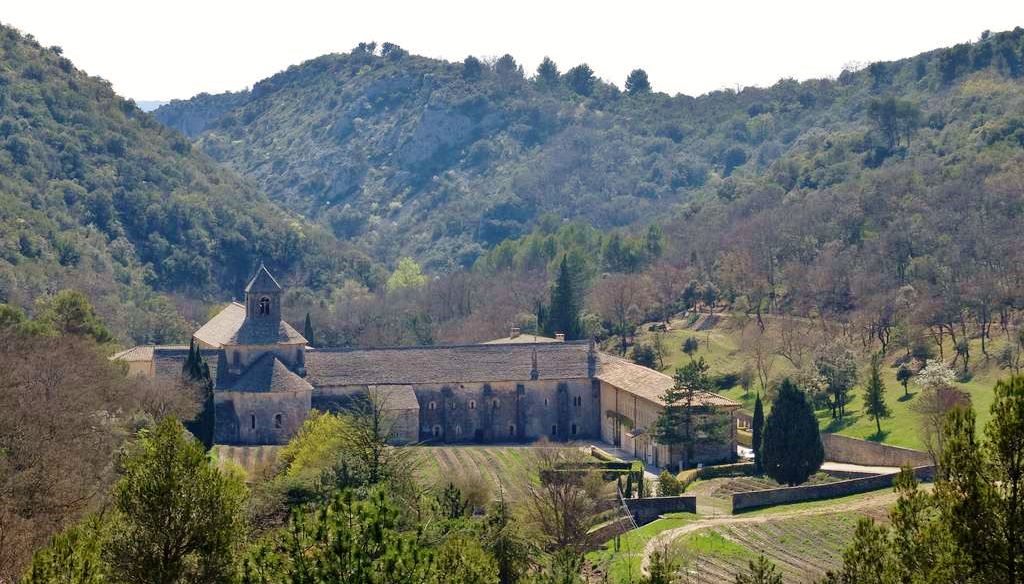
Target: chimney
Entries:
(560, 337)
(514, 333)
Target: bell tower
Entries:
(263, 297)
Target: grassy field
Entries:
(803, 548)
(721, 346)
(512, 468)
(624, 565)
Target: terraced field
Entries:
(803, 548)
(251, 458)
(512, 468)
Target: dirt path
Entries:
(668, 536)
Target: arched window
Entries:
(545, 402)
(496, 404)
(511, 430)
(278, 421)
(437, 431)
(458, 430)
(472, 404)
(263, 306)
(432, 406)
(451, 405)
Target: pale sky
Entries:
(177, 48)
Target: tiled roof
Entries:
(522, 338)
(169, 359)
(134, 354)
(231, 327)
(446, 364)
(647, 383)
(268, 374)
(263, 282)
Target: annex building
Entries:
(516, 389)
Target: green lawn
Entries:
(624, 565)
(721, 347)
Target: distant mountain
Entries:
(96, 195)
(149, 105)
(442, 161)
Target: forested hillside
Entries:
(444, 160)
(98, 196)
(891, 196)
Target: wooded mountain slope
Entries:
(96, 195)
(444, 160)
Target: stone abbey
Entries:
(518, 389)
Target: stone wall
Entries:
(783, 495)
(648, 509)
(853, 451)
(250, 418)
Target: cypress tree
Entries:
(308, 331)
(791, 447)
(196, 370)
(563, 316)
(757, 431)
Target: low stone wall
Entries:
(648, 509)
(853, 451)
(608, 531)
(783, 495)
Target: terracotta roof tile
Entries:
(647, 383)
(446, 364)
(268, 374)
(231, 327)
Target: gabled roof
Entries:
(268, 374)
(142, 353)
(446, 364)
(231, 327)
(262, 282)
(169, 359)
(648, 383)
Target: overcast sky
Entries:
(177, 48)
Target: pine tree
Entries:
(637, 82)
(547, 72)
(792, 449)
(308, 332)
(564, 312)
(757, 432)
(874, 394)
(179, 518)
(678, 423)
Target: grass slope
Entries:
(722, 347)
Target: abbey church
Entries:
(518, 389)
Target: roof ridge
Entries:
(495, 347)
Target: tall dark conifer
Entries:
(196, 370)
(308, 332)
(563, 315)
(792, 449)
(757, 432)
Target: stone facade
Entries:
(267, 380)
